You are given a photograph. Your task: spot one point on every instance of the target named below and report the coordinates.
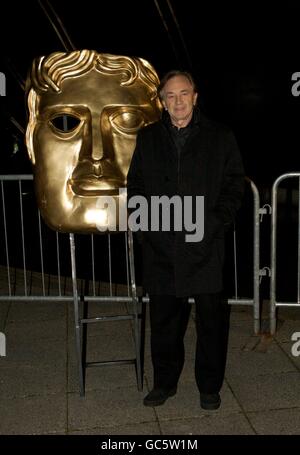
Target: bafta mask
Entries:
(85, 110)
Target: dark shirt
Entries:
(180, 135)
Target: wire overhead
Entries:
(172, 27)
(57, 24)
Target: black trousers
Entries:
(169, 317)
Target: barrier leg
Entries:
(136, 322)
(78, 326)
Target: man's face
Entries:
(179, 99)
(83, 142)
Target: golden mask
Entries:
(85, 110)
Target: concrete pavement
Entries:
(39, 383)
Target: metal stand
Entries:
(134, 316)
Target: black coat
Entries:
(209, 165)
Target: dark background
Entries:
(242, 54)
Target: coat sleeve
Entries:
(230, 196)
(233, 183)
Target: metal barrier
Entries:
(255, 300)
(32, 274)
(22, 247)
(274, 303)
(37, 270)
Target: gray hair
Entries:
(172, 74)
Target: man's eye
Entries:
(65, 123)
(127, 122)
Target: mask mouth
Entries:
(96, 179)
(91, 185)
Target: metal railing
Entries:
(21, 280)
(255, 299)
(34, 267)
(274, 303)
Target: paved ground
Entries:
(39, 383)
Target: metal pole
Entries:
(76, 316)
(5, 237)
(256, 258)
(137, 338)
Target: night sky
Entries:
(242, 55)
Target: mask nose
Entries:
(97, 152)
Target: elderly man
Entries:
(186, 154)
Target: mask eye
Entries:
(127, 122)
(65, 123)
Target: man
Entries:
(186, 154)
(85, 109)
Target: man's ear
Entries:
(32, 103)
(164, 105)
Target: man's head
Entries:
(85, 111)
(179, 94)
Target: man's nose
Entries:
(97, 151)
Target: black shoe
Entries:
(210, 401)
(157, 397)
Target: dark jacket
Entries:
(209, 165)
